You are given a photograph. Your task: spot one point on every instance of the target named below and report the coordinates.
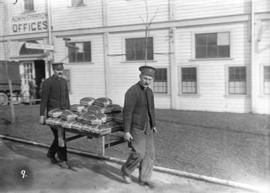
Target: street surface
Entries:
(25, 168)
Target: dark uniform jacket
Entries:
(138, 108)
(54, 94)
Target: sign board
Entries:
(29, 23)
(39, 46)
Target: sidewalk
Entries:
(24, 168)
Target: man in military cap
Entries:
(140, 126)
(55, 94)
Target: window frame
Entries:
(263, 80)
(221, 29)
(228, 81)
(28, 10)
(79, 5)
(168, 82)
(80, 41)
(138, 37)
(180, 82)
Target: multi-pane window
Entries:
(79, 52)
(28, 5)
(212, 45)
(237, 80)
(189, 80)
(75, 3)
(266, 80)
(160, 84)
(136, 47)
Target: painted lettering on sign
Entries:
(29, 23)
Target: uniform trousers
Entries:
(142, 154)
(55, 149)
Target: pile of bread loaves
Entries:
(97, 116)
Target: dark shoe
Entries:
(147, 184)
(64, 165)
(126, 178)
(52, 158)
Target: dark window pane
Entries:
(79, 51)
(201, 52)
(201, 39)
(29, 5)
(135, 48)
(212, 51)
(212, 39)
(76, 2)
(266, 73)
(224, 51)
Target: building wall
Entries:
(87, 78)
(67, 17)
(134, 12)
(262, 55)
(186, 9)
(212, 73)
(124, 73)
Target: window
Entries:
(266, 79)
(237, 80)
(28, 5)
(76, 3)
(135, 48)
(160, 84)
(213, 45)
(189, 80)
(66, 74)
(79, 51)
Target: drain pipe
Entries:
(156, 168)
(253, 78)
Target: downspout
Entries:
(252, 59)
(105, 49)
(172, 60)
(49, 53)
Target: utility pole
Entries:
(6, 48)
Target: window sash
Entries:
(75, 3)
(266, 80)
(212, 45)
(237, 80)
(160, 84)
(135, 48)
(29, 5)
(80, 52)
(189, 80)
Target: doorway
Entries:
(40, 75)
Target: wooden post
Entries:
(9, 85)
(11, 102)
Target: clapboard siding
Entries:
(123, 74)
(212, 74)
(87, 79)
(186, 9)
(262, 5)
(67, 17)
(122, 12)
(263, 59)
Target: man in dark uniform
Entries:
(139, 127)
(55, 95)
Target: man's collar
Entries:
(142, 87)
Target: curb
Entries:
(156, 168)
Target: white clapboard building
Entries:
(211, 55)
